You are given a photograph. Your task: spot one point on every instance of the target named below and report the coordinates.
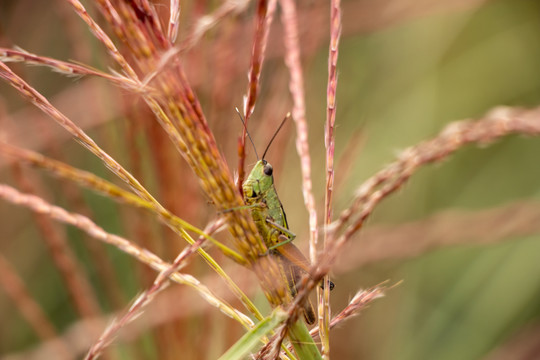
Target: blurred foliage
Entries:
(398, 85)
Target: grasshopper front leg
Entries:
(285, 233)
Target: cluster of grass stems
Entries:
(148, 64)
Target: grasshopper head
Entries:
(259, 181)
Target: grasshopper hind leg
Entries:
(294, 276)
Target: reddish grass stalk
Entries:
(444, 229)
(95, 183)
(83, 178)
(296, 87)
(77, 283)
(136, 223)
(177, 304)
(329, 142)
(103, 37)
(265, 16)
(80, 136)
(66, 68)
(499, 122)
(147, 14)
(359, 301)
(335, 31)
(41, 206)
(41, 102)
(143, 300)
(496, 124)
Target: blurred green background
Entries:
(401, 85)
(413, 68)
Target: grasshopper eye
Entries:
(268, 170)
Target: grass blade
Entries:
(247, 342)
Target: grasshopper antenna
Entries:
(277, 131)
(247, 132)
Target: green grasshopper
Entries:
(271, 222)
(267, 212)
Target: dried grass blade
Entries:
(176, 224)
(104, 38)
(296, 87)
(43, 104)
(73, 275)
(143, 300)
(95, 183)
(497, 123)
(329, 142)
(265, 16)
(70, 69)
(39, 205)
(360, 300)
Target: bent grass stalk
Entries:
(160, 283)
(39, 205)
(329, 143)
(68, 69)
(91, 181)
(264, 17)
(55, 239)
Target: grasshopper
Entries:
(267, 211)
(269, 217)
